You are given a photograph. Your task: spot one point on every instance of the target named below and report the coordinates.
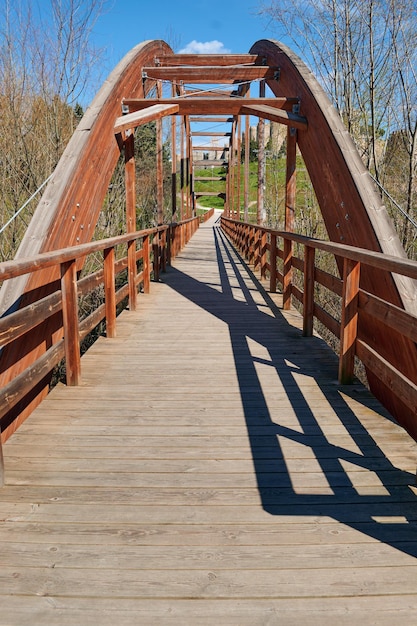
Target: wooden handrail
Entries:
(24, 321)
(354, 301)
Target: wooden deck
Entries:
(209, 470)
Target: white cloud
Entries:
(204, 47)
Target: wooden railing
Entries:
(147, 251)
(260, 246)
(206, 216)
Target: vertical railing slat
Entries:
(349, 321)
(308, 303)
(70, 322)
(110, 292)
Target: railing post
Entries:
(273, 263)
(308, 300)
(163, 240)
(155, 250)
(70, 322)
(146, 264)
(263, 254)
(110, 292)
(255, 247)
(349, 322)
(287, 275)
(131, 274)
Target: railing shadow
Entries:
(387, 513)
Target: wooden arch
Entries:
(351, 208)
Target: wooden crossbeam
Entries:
(207, 59)
(275, 115)
(211, 74)
(211, 106)
(209, 93)
(211, 148)
(212, 120)
(137, 118)
(207, 134)
(214, 162)
(217, 194)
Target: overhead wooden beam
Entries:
(211, 106)
(211, 148)
(207, 59)
(211, 74)
(208, 134)
(212, 120)
(137, 118)
(209, 93)
(209, 162)
(274, 115)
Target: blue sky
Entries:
(228, 26)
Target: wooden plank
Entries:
(210, 74)
(23, 320)
(137, 118)
(202, 60)
(211, 120)
(270, 113)
(323, 610)
(352, 210)
(392, 316)
(210, 583)
(209, 134)
(208, 178)
(210, 106)
(129, 500)
(387, 373)
(209, 148)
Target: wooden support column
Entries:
(130, 183)
(159, 173)
(238, 166)
(290, 195)
(110, 292)
(187, 167)
(174, 166)
(308, 300)
(349, 322)
(70, 322)
(232, 171)
(261, 161)
(246, 168)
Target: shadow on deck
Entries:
(387, 512)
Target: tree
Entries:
(364, 54)
(46, 62)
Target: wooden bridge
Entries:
(211, 459)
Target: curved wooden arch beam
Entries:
(352, 210)
(69, 208)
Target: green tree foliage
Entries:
(46, 61)
(364, 53)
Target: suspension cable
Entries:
(395, 203)
(24, 205)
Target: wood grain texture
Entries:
(208, 470)
(351, 209)
(69, 208)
